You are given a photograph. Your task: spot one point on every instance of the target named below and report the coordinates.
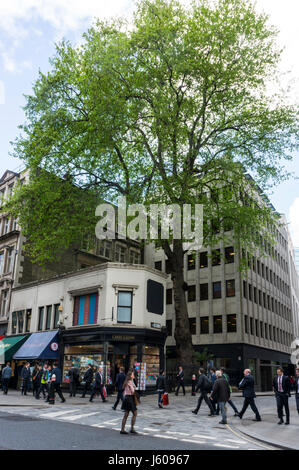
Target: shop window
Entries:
(216, 258)
(191, 293)
(192, 326)
(232, 323)
(217, 323)
(85, 309)
(168, 296)
(230, 288)
(83, 355)
(191, 262)
(151, 357)
(48, 317)
(203, 259)
(28, 320)
(169, 327)
(204, 325)
(158, 265)
(229, 255)
(217, 290)
(40, 318)
(124, 307)
(56, 316)
(204, 291)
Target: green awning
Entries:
(9, 346)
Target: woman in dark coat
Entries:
(129, 402)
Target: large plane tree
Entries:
(175, 107)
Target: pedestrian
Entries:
(74, 379)
(161, 386)
(193, 385)
(44, 380)
(119, 384)
(87, 378)
(213, 380)
(282, 388)
(247, 387)
(130, 402)
(35, 385)
(25, 376)
(37, 381)
(55, 384)
(230, 402)
(98, 385)
(296, 388)
(221, 394)
(6, 375)
(205, 386)
(180, 380)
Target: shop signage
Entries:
(122, 338)
(54, 346)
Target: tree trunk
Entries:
(182, 335)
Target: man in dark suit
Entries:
(74, 379)
(98, 385)
(55, 385)
(87, 378)
(26, 376)
(296, 388)
(282, 388)
(205, 386)
(119, 384)
(180, 380)
(247, 387)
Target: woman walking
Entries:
(160, 385)
(129, 403)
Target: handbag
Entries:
(136, 398)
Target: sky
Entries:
(30, 28)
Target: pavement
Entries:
(174, 423)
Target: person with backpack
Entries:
(205, 386)
(44, 387)
(230, 402)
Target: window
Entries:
(245, 289)
(48, 317)
(217, 323)
(124, 307)
(14, 323)
(256, 328)
(191, 292)
(230, 288)
(168, 296)
(251, 326)
(246, 324)
(250, 292)
(28, 321)
(216, 259)
(255, 294)
(104, 248)
(217, 290)
(120, 253)
(261, 329)
(4, 297)
(192, 326)
(191, 262)
(158, 265)
(258, 265)
(204, 325)
(20, 321)
(9, 261)
(169, 327)
(231, 323)
(40, 318)
(56, 316)
(134, 257)
(229, 255)
(260, 297)
(1, 262)
(203, 259)
(85, 309)
(204, 291)
(5, 225)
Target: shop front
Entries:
(112, 348)
(9, 345)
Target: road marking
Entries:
(151, 429)
(73, 418)
(226, 446)
(234, 441)
(193, 440)
(178, 433)
(165, 437)
(56, 413)
(204, 437)
(249, 440)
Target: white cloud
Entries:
(294, 221)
